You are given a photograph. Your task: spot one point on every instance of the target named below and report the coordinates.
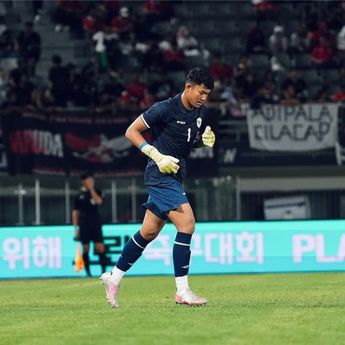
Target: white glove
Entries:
(166, 164)
(208, 137)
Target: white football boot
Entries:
(111, 289)
(190, 298)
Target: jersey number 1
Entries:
(188, 138)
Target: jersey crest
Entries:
(198, 122)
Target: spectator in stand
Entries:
(95, 20)
(263, 9)
(111, 6)
(309, 16)
(335, 15)
(173, 58)
(300, 40)
(278, 43)
(189, 44)
(321, 31)
(323, 55)
(122, 23)
(7, 42)
(224, 98)
(154, 10)
(248, 87)
(288, 96)
(131, 96)
(3, 85)
(68, 15)
(298, 84)
(256, 42)
(147, 100)
(84, 86)
(29, 47)
(149, 55)
(262, 96)
(37, 6)
(219, 69)
(323, 95)
(241, 70)
(163, 87)
(19, 89)
(136, 88)
(58, 82)
(341, 47)
(127, 43)
(110, 90)
(271, 84)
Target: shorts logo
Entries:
(181, 122)
(198, 122)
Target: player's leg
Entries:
(184, 221)
(86, 248)
(97, 237)
(131, 252)
(151, 227)
(100, 250)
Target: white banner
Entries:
(293, 128)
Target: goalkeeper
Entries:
(177, 126)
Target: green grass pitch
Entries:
(266, 309)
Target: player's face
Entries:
(197, 94)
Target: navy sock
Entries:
(181, 253)
(131, 252)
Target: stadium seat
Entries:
(214, 44)
(202, 10)
(302, 61)
(225, 9)
(178, 77)
(260, 61)
(234, 45)
(312, 77)
(330, 75)
(206, 29)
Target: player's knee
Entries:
(188, 227)
(150, 235)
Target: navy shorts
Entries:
(164, 197)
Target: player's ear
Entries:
(188, 86)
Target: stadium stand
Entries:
(118, 57)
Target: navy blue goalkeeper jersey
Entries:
(175, 130)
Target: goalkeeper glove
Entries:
(166, 164)
(208, 137)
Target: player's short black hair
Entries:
(200, 75)
(86, 174)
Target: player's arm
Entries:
(133, 133)
(166, 164)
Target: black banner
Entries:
(68, 144)
(241, 155)
(61, 144)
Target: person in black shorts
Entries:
(87, 221)
(177, 125)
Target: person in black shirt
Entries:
(86, 220)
